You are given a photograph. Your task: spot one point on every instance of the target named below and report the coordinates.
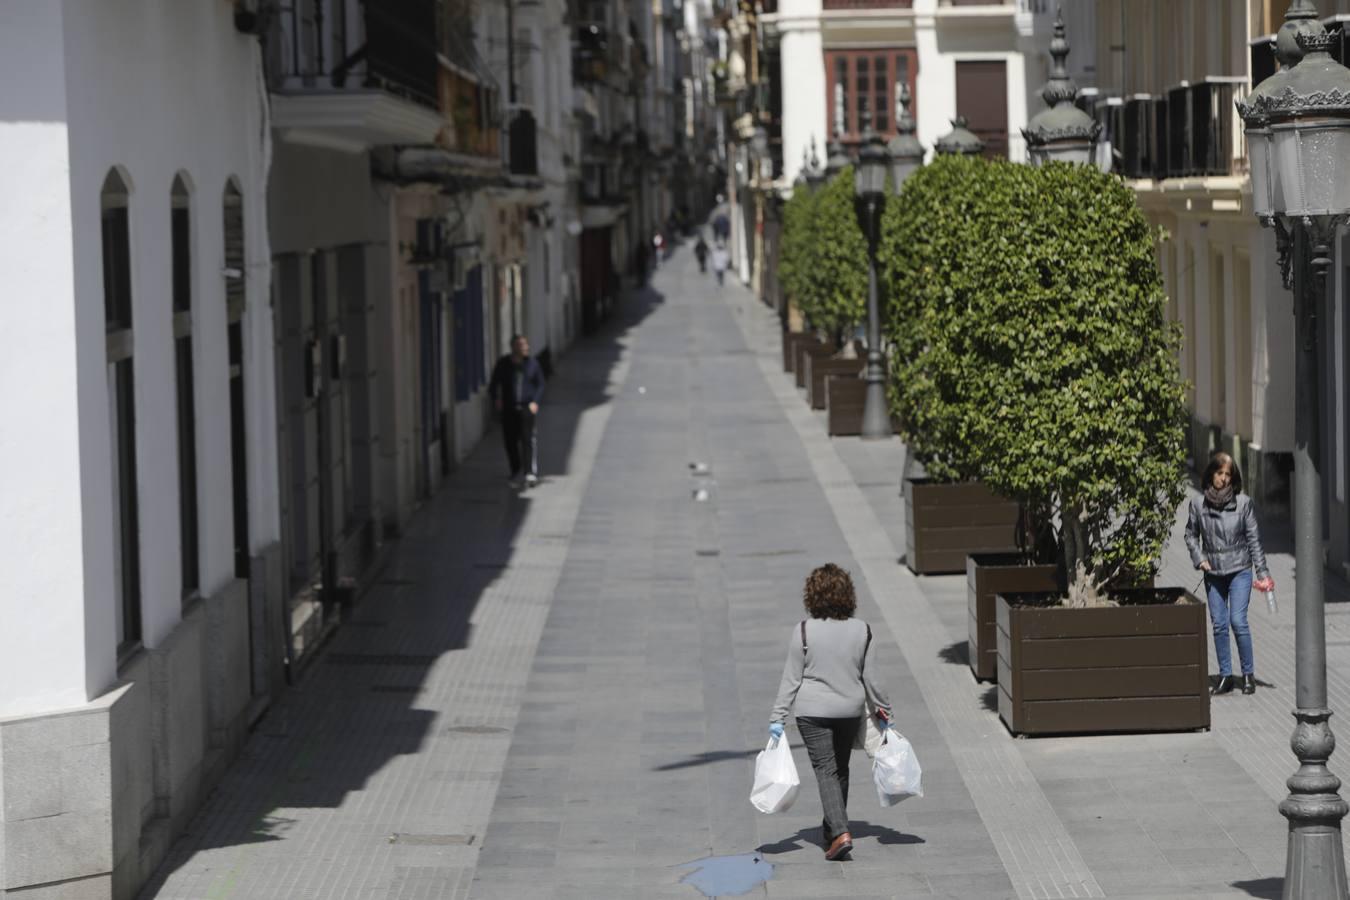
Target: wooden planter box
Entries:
(790, 341)
(818, 368)
(844, 400)
(945, 523)
(806, 349)
(1141, 666)
(987, 576)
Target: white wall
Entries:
(57, 644)
(61, 132)
(801, 56)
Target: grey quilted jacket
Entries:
(1228, 538)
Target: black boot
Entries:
(1223, 686)
(1249, 684)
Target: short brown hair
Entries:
(829, 593)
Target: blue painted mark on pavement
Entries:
(727, 876)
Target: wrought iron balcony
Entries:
(523, 144)
(353, 75)
(868, 4)
(1204, 133)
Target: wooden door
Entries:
(982, 97)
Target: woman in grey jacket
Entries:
(828, 676)
(1225, 544)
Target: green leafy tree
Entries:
(927, 251)
(797, 247)
(838, 274)
(1038, 354)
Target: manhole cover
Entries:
(476, 729)
(432, 840)
(708, 552)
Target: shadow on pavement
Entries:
(354, 710)
(989, 699)
(707, 758)
(957, 654)
(811, 837)
(1264, 888)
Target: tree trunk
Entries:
(1082, 589)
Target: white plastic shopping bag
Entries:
(895, 770)
(776, 781)
(869, 734)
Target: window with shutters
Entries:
(235, 306)
(982, 97)
(120, 344)
(180, 239)
(868, 79)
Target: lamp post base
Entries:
(1315, 860)
(876, 423)
(1315, 866)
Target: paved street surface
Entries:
(560, 694)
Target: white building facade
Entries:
(140, 515)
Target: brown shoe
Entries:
(840, 847)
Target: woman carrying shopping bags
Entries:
(1225, 544)
(828, 680)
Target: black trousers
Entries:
(522, 449)
(829, 744)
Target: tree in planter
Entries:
(927, 251)
(838, 273)
(1066, 366)
(797, 247)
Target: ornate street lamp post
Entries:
(869, 189)
(815, 173)
(1299, 133)
(960, 141)
(905, 151)
(1063, 132)
(837, 160)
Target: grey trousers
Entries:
(829, 744)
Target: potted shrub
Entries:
(796, 248)
(928, 251)
(1074, 406)
(837, 287)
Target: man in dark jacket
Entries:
(517, 387)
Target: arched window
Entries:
(236, 301)
(180, 238)
(117, 309)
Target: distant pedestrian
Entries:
(701, 251)
(658, 249)
(720, 260)
(517, 387)
(1225, 544)
(829, 679)
(721, 228)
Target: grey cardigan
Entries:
(1227, 538)
(832, 675)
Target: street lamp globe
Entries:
(960, 141)
(1302, 18)
(838, 159)
(1062, 132)
(1310, 133)
(815, 173)
(869, 176)
(905, 151)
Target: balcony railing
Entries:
(1204, 133)
(867, 4)
(523, 144)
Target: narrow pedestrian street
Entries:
(560, 693)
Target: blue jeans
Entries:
(1229, 597)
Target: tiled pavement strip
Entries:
(624, 642)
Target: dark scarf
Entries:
(1219, 499)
